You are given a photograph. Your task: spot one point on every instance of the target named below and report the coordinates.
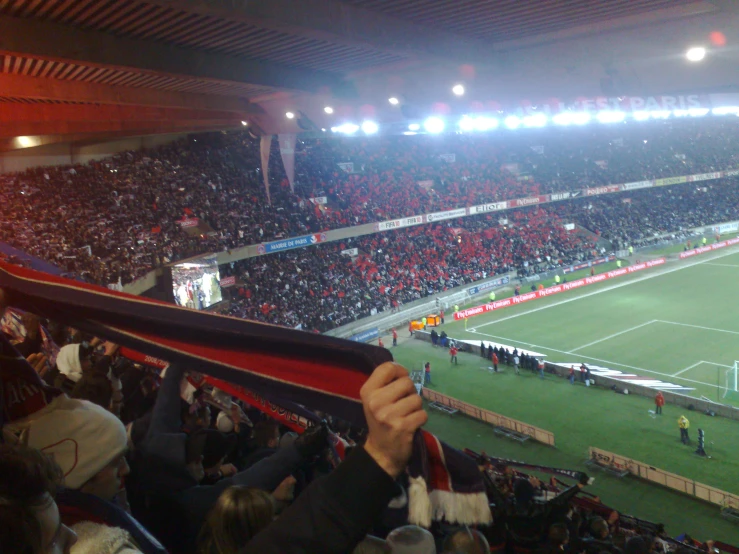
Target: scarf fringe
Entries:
(452, 507)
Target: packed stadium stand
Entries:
(317, 163)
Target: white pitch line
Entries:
(539, 346)
(696, 364)
(606, 289)
(699, 327)
(721, 265)
(609, 337)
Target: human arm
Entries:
(334, 513)
(164, 438)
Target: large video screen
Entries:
(196, 284)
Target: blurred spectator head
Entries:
(267, 434)
(94, 387)
(237, 516)
(195, 416)
(636, 545)
(466, 541)
(372, 545)
(29, 516)
(558, 536)
(88, 442)
(524, 493)
(206, 450)
(73, 360)
(411, 539)
(599, 528)
(224, 423)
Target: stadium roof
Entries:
(95, 69)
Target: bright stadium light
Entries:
(698, 112)
(485, 123)
(536, 120)
(328, 109)
(244, 123)
(434, 125)
(414, 126)
(394, 101)
(289, 115)
(695, 54)
(512, 122)
(611, 117)
(660, 114)
(346, 128)
(370, 127)
(458, 90)
(641, 115)
(564, 118)
(581, 118)
(409, 133)
(725, 110)
(467, 124)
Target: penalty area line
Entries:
(539, 346)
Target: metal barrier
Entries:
(710, 494)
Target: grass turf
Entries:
(689, 319)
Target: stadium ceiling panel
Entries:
(253, 61)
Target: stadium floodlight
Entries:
(660, 114)
(611, 117)
(369, 127)
(725, 110)
(698, 112)
(328, 109)
(458, 90)
(434, 125)
(409, 133)
(564, 118)
(414, 126)
(289, 115)
(641, 115)
(467, 124)
(512, 122)
(485, 123)
(695, 54)
(394, 101)
(346, 128)
(536, 120)
(581, 118)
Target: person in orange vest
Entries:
(659, 401)
(410, 328)
(495, 362)
(453, 353)
(380, 343)
(395, 337)
(541, 287)
(441, 315)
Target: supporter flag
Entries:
(314, 370)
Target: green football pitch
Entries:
(678, 323)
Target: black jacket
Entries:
(333, 514)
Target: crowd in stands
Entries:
(320, 288)
(129, 462)
(639, 218)
(113, 220)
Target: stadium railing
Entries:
(665, 478)
(538, 434)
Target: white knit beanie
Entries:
(68, 362)
(82, 437)
(94, 538)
